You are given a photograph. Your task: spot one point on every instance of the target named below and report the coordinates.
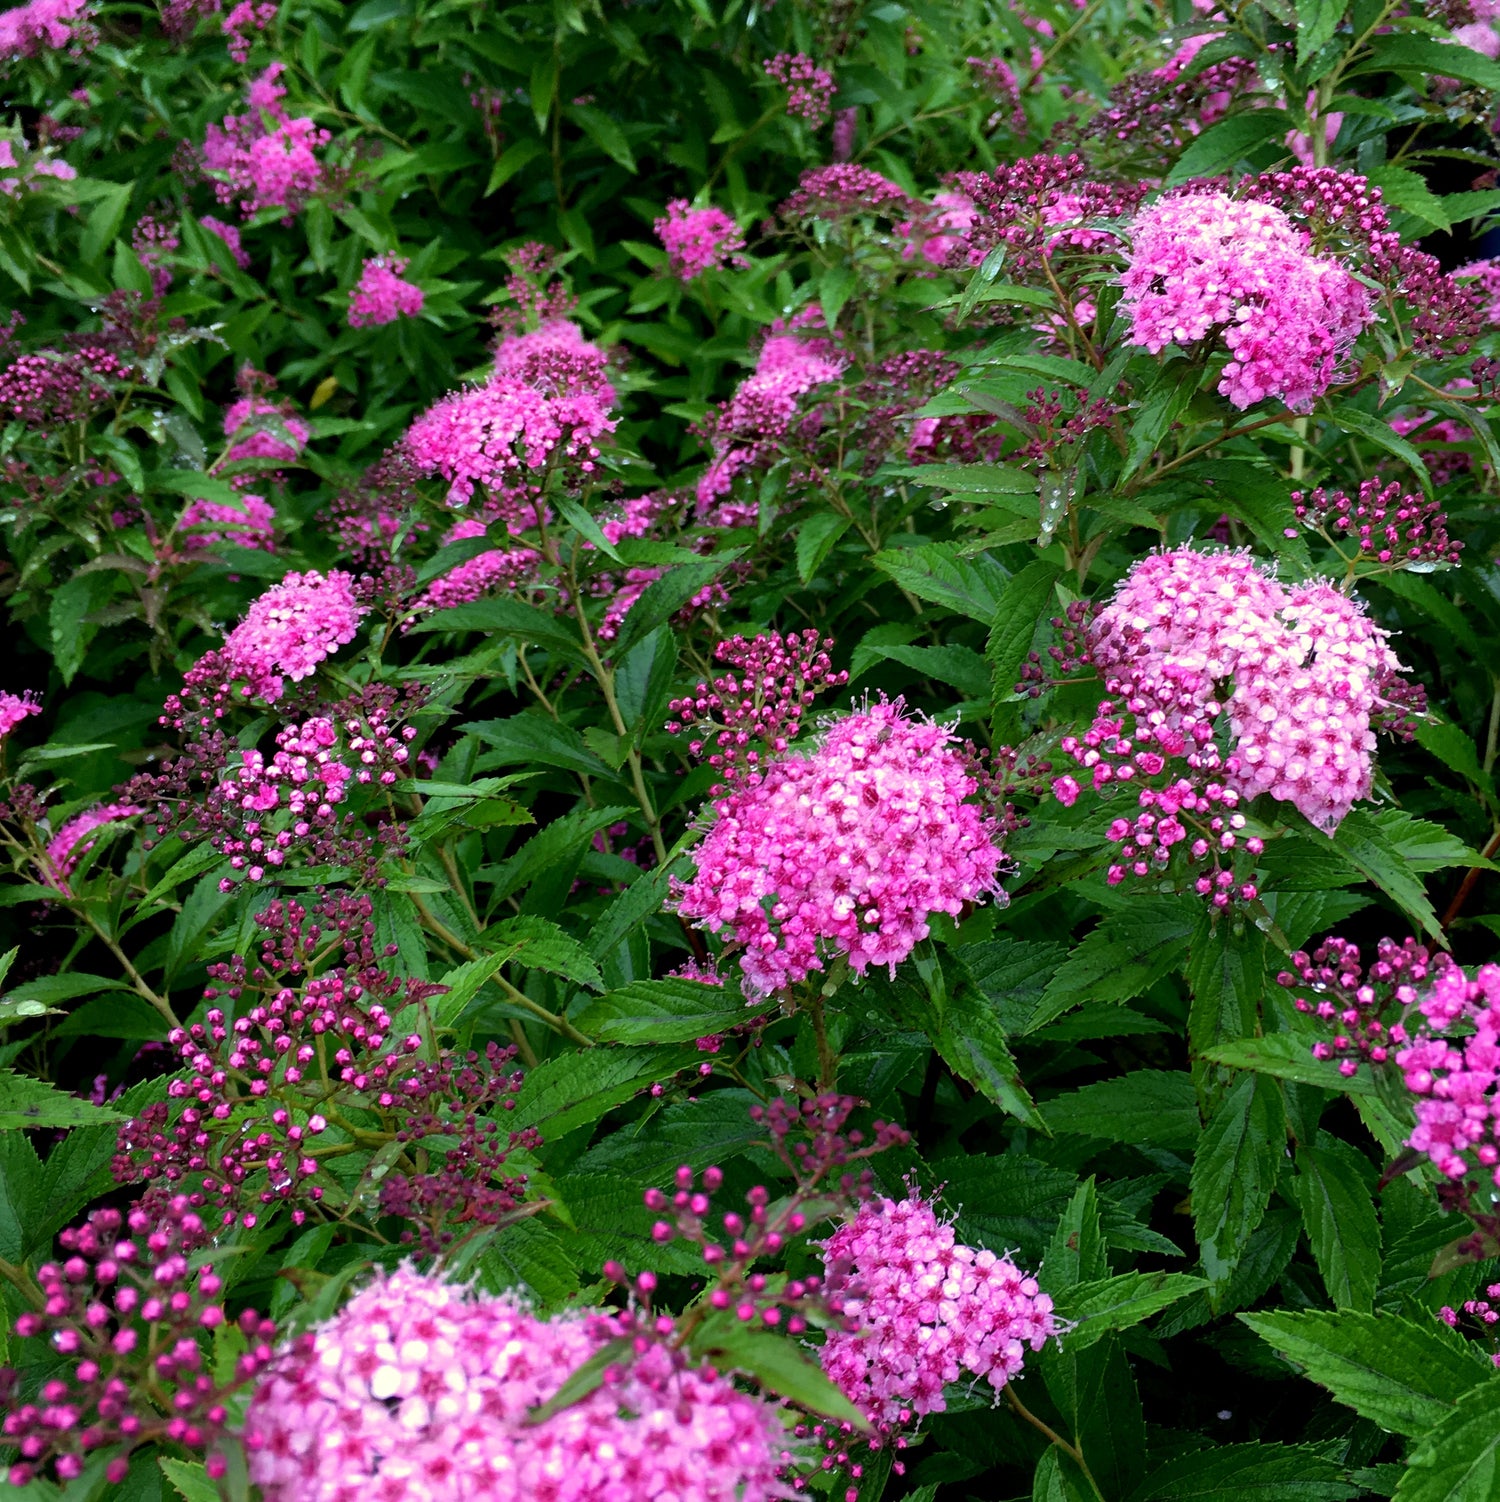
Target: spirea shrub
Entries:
(749, 752)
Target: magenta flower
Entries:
(810, 88)
(382, 295)
(52, 24)
(265, 158)
(849, 849)
(71, 842)
(698, 240)
(248, 523)
(924, 1311)
(290, 629)
(14, 708)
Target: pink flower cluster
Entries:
(264, 158)
(698, 240)
(922, 1310)
(1442, 1030)
(1203, 265)
(850, 848)
(383, 295)
(417, 1390)
(549, 399)
(810, 87)
(52, 387)
(761, 414)
(129, 1314)
(500, 568)
(14, 708)
(51, 24)
(230, 235)
(1482, 1311)
(1387, 525)
(1299, 673)
(263, 429)
(290, 629)
(245, 19)
(71, 842)
(249, 522)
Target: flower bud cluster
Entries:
(128, 1315)
(1388, 526)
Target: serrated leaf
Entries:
(25, 1102)
(1119, 1302)
(1023, 603)
(1257, 1473)
(1459, 1459)
(537, 943)
(1227, 142)
(938, 573)
(1338, 1213)
(662, 1011)
(1158, 1107)
(1234, 1171)
(778, 1365)
(1405, 1377)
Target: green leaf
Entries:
(1405, 1377)
(1234, 1171)
(1338, 1212)
(1228, 142)
(1317, 20)
(575, 1089)
(532, 737)
(1075, 1255)
(1226, 977)
(779, 1365)
(104, 221)
(1256, 1473)
(25, 1102)
(1119, 1302)
(1157, 1107)
(972, 1041)
(1366, 846)
(1352, 420)
(977, 480)
(537, 943)
(603, 132)
(506, 617)
(938, 573)
(662, 1011)
(1124, 956)
(1459, 1459)
(1023, 603)
(1058, 1479)
(663, 598)
(190, 1479)
(816, 539)
(1287, 1056)
(1408, 190)
(1424, 58)
(550, 857)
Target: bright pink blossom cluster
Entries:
(1482, 1312)
(417, 1390)
(850, 849)
(810, 88)
(499, 568)
(263, 429)
(1299, 673)
(52, 387)
(549, 398)
(243, 21)
(753, 424)
(129, 1314)
(68, 846)
(247, 522)
(922, 1310)
(1205, 266)
(264, 158)
(51, 24)
(14, 708)
(383, 295)
(698, 240)
(290, 629)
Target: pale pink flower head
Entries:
(849, 849)
(937, 234)
(418, 1391)
(926, 1311)
(230, 235)
(1204, 266)
(14, 708)
(71, 842)
(698, 240)
(382, 295)
(290, 629)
